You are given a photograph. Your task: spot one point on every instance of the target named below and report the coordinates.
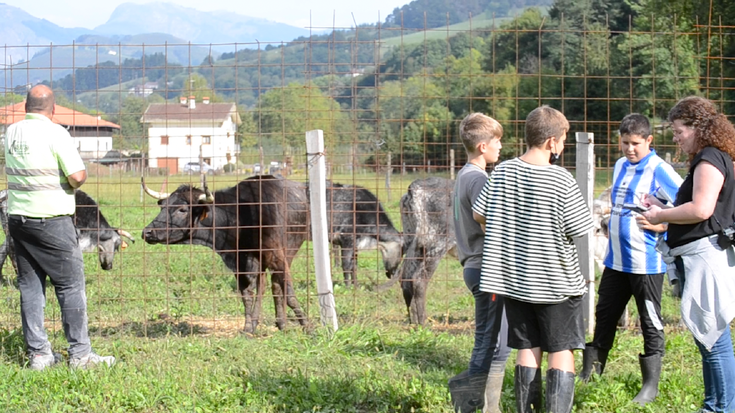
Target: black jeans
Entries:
(614, 293)
(49, 248)
(491, 326)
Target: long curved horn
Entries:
(126, 234)
(152, 193)
(206, 197)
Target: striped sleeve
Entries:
(668, 181)
(577, 216)
(480, 205)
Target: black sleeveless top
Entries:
(679, 234)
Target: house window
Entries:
(188, 139)
(164, 139)
(206, 140)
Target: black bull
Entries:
(261, 223)
(256, 225)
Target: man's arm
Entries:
(77, 179)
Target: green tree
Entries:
(287, 113)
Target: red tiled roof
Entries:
(63, 116)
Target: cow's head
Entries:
(392, 253)
(108, 243)
(181, 212)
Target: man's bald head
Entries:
(41, 100)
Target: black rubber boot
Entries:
(651, 371)
(593, 362)
(559, 391)
(468, 392)
(528, 389)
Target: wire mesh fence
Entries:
(389, 100)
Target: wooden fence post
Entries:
(586, 180)
(316, 163)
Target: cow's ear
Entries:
(200, 212)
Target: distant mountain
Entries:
(194, 25)
(57, 61)
(20, 29)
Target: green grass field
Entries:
(173, 319)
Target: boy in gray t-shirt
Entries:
(482, 382)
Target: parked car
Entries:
(193, 167)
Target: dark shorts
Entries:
(552, 327)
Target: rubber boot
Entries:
(651, 371)
(559, 391)
(468, 392)
(528, 389)
(494, 388)
(593, 362)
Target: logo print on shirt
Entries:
(18, 148)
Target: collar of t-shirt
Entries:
(37, 116)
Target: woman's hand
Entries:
(645, 225)
(652, 215)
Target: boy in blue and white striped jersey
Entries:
(632, 264)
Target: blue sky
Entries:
(92, 13)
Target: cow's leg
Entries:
(259, 298)
(3, 256)
(293, 303)
(246, 284)
(277, 287)
(349, 258)
(421, 285)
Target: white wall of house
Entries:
(222, 142)
(93, 146)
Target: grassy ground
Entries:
(172, 317)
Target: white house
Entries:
(177, 132)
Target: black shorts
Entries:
(553, 327)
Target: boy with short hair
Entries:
(480, 136)
(531, 211)
(632, 264)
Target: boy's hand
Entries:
(649, 200)
(645, 225)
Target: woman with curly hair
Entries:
(697, 243)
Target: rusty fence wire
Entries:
(231, 119)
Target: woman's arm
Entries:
(708, 182)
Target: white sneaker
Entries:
(40, 362)
(91, 360)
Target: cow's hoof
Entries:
(281, 325)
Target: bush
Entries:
(229, 167)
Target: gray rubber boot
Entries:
(559, 391)
(528, 389)
(468, 392)
(651, 371)
(593, 362)
(494, 388)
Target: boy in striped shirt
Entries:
(531, 210)
(632, 264)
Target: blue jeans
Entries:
(491, 326)
(718, 369)
(49, 248)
